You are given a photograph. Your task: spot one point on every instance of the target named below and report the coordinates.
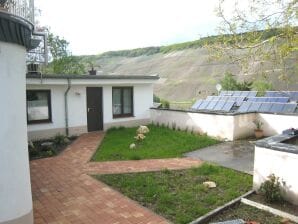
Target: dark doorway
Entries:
(94, 109)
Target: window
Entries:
(122, 102)
(38, 106)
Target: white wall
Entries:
(275, 124)
(76, 107)
(229, 127)
(15, 187)
(281, 164)
(218, 126)
(143, 100)
(244, 126)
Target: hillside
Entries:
(185, 74)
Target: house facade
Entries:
(73, 105)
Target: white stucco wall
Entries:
(282, 165)
(15, 187)
(76, 107)
(274, 124)
(218, 126)
(244, 126)
(143, 100)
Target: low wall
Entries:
(274, 123)
(224, 126)
(281, 164)
(218, 126)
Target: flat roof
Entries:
(52, 76)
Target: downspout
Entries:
(66, 106)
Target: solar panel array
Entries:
(269, 99)
(239, 93)
(293, 95)
(247, 101)
(237, 99)
(267, 107)
(213, 105)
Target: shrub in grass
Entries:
(271, 189)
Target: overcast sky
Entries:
(96, 26)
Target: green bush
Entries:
(271, 189)
(156, 99)
(165, 104)
(60, 139)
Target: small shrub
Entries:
(271, 189)
(60, 139)
(165, 104)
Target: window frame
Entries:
(49, 120)
(122, 115)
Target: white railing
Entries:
(20, 8)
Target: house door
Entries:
(94, 108)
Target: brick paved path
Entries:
(63, 192)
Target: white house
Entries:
(76, 104)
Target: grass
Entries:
(160, 142)
(247, 213)
(180, 195)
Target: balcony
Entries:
(21, 9)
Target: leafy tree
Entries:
(229, 82)
(256, 32)
(262, 86)
(62, 62)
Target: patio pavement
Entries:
(238, 155)
(63, 191)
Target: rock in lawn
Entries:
(209, 184)
(132, 146)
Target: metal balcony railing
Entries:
(20, 8)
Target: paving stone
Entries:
(64, 192)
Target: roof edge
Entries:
(52, 76)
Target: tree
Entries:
(61, 60)
(229, 82)
(259, 35)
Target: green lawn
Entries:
(180, 195)
(160, 142)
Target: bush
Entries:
(156, 99)
(271, 189)
(60, 139)
(165, 104)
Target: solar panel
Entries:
(265, 107)
(204, 105)
(293, 95)
(268, 99)
(254, 107)
(244, 107)
(228, 106)
(211, 105)
(289, 108)
(223, 93)
(219, 105)
(196, 104)
(277, 108)
(252, 94)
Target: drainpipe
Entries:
(66, 106)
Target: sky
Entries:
(96, 26)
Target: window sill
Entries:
(123, 116)
(39, 122)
